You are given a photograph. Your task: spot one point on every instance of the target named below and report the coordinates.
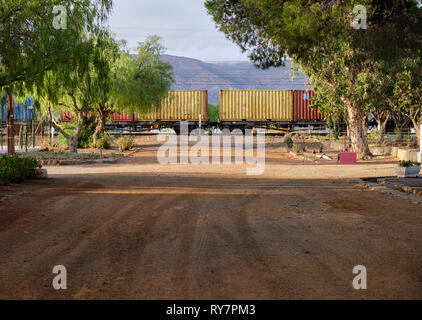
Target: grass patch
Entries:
(66, 156)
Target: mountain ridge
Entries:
(194, 74)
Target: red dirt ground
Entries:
(139, 230)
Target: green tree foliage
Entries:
(34, 39)
(213, 113)
(145, 79)
(37, 37)
(319, 36)
(71, 91)
(129, 84)
(407, 91)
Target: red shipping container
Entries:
(67, 117)
(120, 117)
(301, 110)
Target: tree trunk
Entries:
(101, 121)
(381, 128)
(382, 124)
(417, 125)
(358, 132)
(400, 122)
(10, 125)
(75, 139)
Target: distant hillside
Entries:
(194, 74)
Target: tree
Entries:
(129, 84)
(41, 36)
(63, 90)
(319, 36)
(408, 91)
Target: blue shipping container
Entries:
(22, 112)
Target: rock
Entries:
(407, 189)
(120, 279)
(109, 160)
(41, 174)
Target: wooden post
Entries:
(20, 137)
(10, 125)
(420, 145)
(33, 133)
(26, 137)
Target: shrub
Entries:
(16, 169)
(334, 135)
(374, 135)
(45, 144)
(288, 141)
(85, 138)
(408, 164)
(125, 143)
(104, 142)
(298, 148)
(62, 141)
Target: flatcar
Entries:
(239, 109)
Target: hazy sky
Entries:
(186, 28)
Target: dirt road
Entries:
(139, 230)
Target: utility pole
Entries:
(10, 125)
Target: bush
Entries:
(288, 141)
(298, 148)
(62, 141)
(125, 143)
(409, 164)
(104, 142)
(374, 135)
(333, 135)
(85, 138)
(16, 169)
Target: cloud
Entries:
(184, 25)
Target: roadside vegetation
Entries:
(17, 169)
(125, 143)
(66, 156)
(78, 73)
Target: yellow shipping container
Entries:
(180, 105)
(256, 105)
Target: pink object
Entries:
(348, 158)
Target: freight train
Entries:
(239, 109)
